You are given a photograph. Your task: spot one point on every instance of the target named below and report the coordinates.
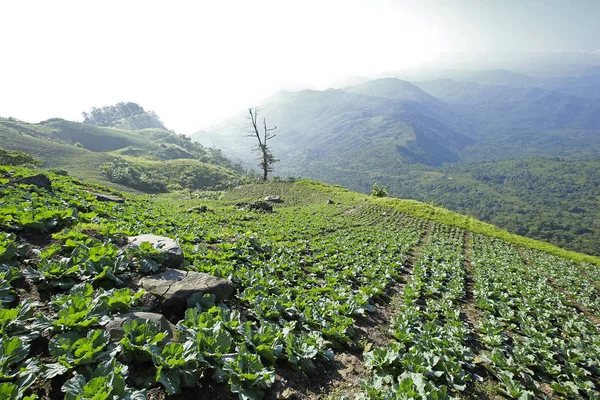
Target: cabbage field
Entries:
(336, 296)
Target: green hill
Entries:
(335, 295)
(149, 159)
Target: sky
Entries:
(199, 62)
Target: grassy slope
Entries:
(308, 191)
(551, 200)
(53, 141)
(79, 162)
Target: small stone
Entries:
(287, 394)
(330, 201)
(164, 244)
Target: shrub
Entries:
(14, 157)
(120, 171)
(379, 191)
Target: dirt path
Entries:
(484, 383)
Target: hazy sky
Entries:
(198, 62)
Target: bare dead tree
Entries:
(266, 158)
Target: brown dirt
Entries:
(26, 289)
(156, 394)
(150, 301)
(547, 390)
(207, 389)
(93, 234)
(471, 316)
(38, 239)
(50, 389)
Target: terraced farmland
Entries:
(335, 295)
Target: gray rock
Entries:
(274, 199)
(39, 180)
(175, 286)
(330, 201)
(106, 197)
(115, 325)
(164, 244)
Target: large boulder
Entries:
(175, 286)
(115, 326)
(39, 180)
(165, 245)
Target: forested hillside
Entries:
(498, 145)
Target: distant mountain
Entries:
(546, 108)
(495, 77)
(389, 122)
(335, 126)
(392, 88)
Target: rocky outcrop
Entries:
(175, 286)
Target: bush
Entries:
(379, 191)
(120, 171)
(14, 157)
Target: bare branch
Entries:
(266, 159)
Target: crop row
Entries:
(428, 357)
(538, 345)
(567, 275)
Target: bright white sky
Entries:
(198, 62)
